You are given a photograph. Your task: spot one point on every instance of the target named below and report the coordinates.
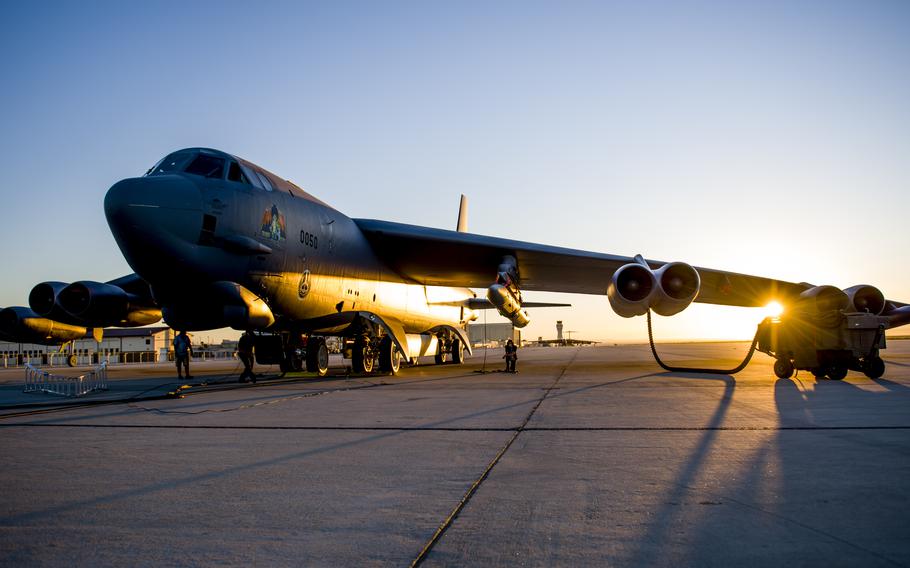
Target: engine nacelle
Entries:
(226, 304)
(635, 288)
(631, 290)
(508, 305)
(677, 286)
(865, 298)
(822, 300)
(22, 325)
(103, 305)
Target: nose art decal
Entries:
(273, 225)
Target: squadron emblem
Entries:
(273, 225)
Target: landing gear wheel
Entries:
(818, 372)
(295, 360)
(874, 367)
(361, 357)
(457, 352)
(837, 372)
(783, 368)
(389, 356)
(72, 361)
(317, 356)
(440, 357)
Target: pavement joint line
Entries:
(516, 429)
(440, 531)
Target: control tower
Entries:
(558, 330)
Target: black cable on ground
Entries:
(672, 369)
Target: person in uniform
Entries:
(511, 356)
(245, 353)
(183, 349)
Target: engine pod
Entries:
(865, 298)
(677, 286)
(631, 289)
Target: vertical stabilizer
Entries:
(462, 215)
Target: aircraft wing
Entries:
(436, 257)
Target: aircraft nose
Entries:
(158, 202)
(156, 212)
(157, 192)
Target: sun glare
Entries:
(774, 310)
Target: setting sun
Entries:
(774, 310)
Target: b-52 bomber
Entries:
(216, 241)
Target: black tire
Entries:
(361, 358)
(389, 356)
(457, 352)
(874, 367)
(818, 372)
(317, 356)
(837, 372)
(783, 368)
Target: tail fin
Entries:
(462, 215)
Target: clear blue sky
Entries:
(762, 137)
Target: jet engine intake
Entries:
(677, 285)
(23, 325)
(43, 298)
(865, 298)
(631, 290)
(105, 305)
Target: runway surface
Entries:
(588, 456)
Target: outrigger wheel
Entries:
(389, 356)
(361, 357)
(317, 356)
(783, 368)
(72, 361)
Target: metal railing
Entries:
(39, 380)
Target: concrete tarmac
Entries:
(589, 456)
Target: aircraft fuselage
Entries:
(310, 263)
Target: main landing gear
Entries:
(450, 347)
(371, 353)
(377, 351)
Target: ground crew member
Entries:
(245, 354)
(511, 356)
(183, 349)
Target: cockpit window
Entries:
(235, 174)
(170, 163)
(265, 181)
(251, 176)
(206, 166)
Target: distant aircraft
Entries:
(216, 241)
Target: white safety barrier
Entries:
(39, 380)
